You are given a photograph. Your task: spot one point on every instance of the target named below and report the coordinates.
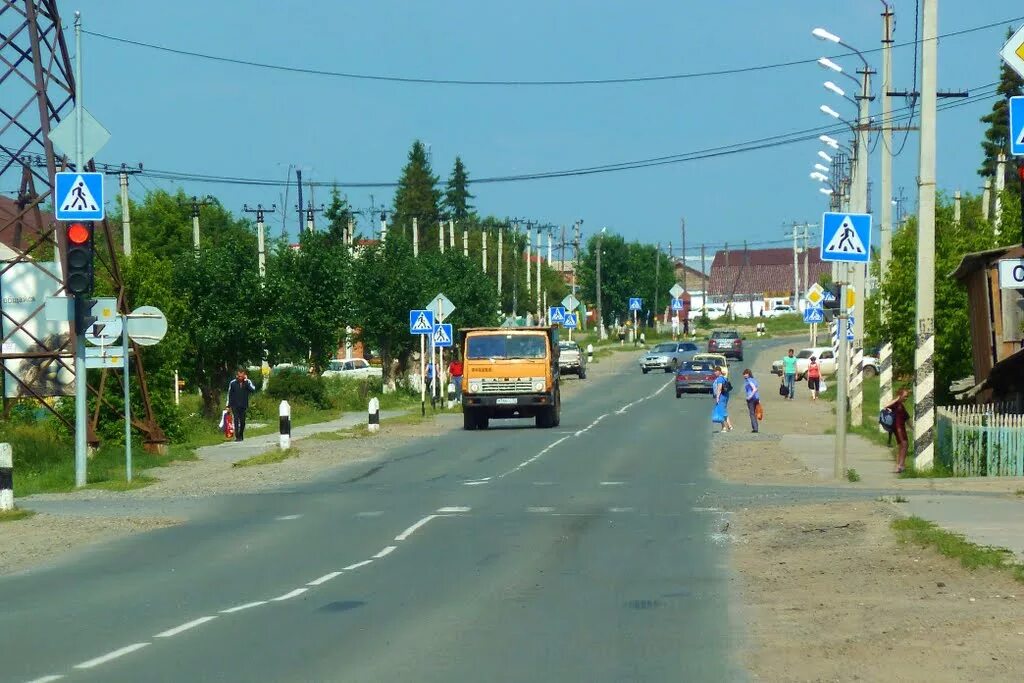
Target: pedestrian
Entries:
(789, 373)
(720, 391)
(455, 372)
(899, 427)
(238, 400)
(814, 378)
(750, 388)
(429, 380)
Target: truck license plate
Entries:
(507, 401)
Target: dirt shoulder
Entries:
(831, 595)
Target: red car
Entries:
(694, 375)
(729, 343)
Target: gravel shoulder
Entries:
(67, 521)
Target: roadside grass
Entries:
(852, 476)
(15, 514)
(1019, 492)
(937, 471)
(269, 458)
(926, 534)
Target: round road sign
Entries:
(104, 334)
(147, 325)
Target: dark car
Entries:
(729, 343)
(694, 376)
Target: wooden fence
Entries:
(985, 440)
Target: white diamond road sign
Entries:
(635, 303)
(570, 302)
(846, 237)
(1017, 126)
(421, 322)
(677, 304)
(570, 322)
(443, 335)
(79, 196)
(814, 314)
(442, 307)
(676, 291)
(556, 315)
(1013, 52)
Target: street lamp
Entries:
(600, 318)
(821, 167)
(824, 156)
(825, 190)
(830, 111)
(830, 141)
(819, 176)
(829, 85)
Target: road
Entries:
(584, 553)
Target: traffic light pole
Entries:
(81, 385)
(842, 378)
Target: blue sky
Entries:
(178, 113)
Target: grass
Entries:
(1019, 492)
(852, 475)
(923, 533)
(15, 514)
(937, 471)
(269, 458)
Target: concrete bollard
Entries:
(6, 478)
(590, 353)
(285, 414)
(373, 415)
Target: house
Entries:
(692, 277)
(762, 275)
(997, 326)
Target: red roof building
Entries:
(763, 273)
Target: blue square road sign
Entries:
(846, 237)
(79, 196)
(635, 303)
(570, 322)
(443, 335)
(421, 321)
(1017, 125)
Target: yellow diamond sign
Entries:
(815, 294)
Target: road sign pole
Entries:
(842, 376)
(127, 401)
(81, 388)
(439, 374)
(423, 376)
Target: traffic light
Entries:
(831, 303)
(84, 318)
(80, 254)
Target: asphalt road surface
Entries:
(587, 552)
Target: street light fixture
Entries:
(829, 85)
(830, 141)
(825, 35)
(819, 176)
(821, 167)
(824, 156)
(825, 190)
(827, 63)
(830, 111)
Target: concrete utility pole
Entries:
(682, 247)
(539, 286)
(261, 237)
(501, 239)
(863, 128)
(703, 284)
(126, 221)
(465, 241)
(310, 214)
(383, 227)
(483, 249)
(298, 182)
(451, 234)
(529, 271)
(886, 152)
(986, 199)
(924, 378)
(796, 275)
(1000, 186)
(81, 388)
(440, 236)
(415, 237)
(197, 204)
(957, 200)
(842, 377)
(657, 276)
(600, 316)
(549, 244)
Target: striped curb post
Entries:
(6, 478)
(885, 394)
(857, 388)
(284, 413)
(373, 415)
(924, 401)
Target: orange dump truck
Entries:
(509, 373)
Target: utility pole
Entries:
(465, 241)
(483, 248)
(600, 315)
(81, 388)
(310, 214)
(261, 238)
(126, 221)
(703, 285)
(440, 236)
(415, 237)
(861, 196)
(451, 234)
(539, 287)
(550, 228)
(197, 204)
(924, 378)
(1000, 186)
(986, 199)
(796, 277)
(842, 377)
(383, 227)
(746, 271)
(529, 272)
(298, 182)
(957, 198)
(885, 353)
(657, 277)
(682, 247)
(501, 239)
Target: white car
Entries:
(357, 368)
(714, 311)
(780, 310)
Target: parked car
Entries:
(729, 343)
(826, 362)
(667, 356)
(714, 311)
(356, 368)
(781, 309)
(694, 375)
(571, 359)
(714, 359)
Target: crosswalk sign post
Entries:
(846, 237)
(814, 314)
(443, 335)
(556, 315)
(571, 322)
(421, 322)
(79, 196)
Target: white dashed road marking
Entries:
(454, 508)
(184, 627)
(385, 552)
(371, 513)
(47, 679)
(357, 565)
(284, 518)
(627, 509)
(103, 659)
(324, 579)
(540, 509)
(612, 483)
(411, 530)
(290, 594)
(239, 608)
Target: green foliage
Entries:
(463, 281)
(293, 384)
(417, 197)
(997, 135)
(627, 270)
(972, 556)
(456, 195)
(338, 214)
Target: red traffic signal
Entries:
(78, 233)
(79, 276)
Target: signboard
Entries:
(570, 302)
(443, 335)
(636, 303)
(1013, 52)
(571, 321)
(79, 196)
(814, 314)
(677, 304)
(147, 325)
(104, 333)
(676, 291)
(109, 357)
(441, 307)
(846, 237)
(25, 287)
(65, 134)
(1011, 273)
(1017, 126)
(815, 294)
(556, 315)
(421, 321)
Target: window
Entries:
(807, 353)
(725, 334)
(688, 346)
(664, 348)
(506, 346)
(359, 364)
(826, 354)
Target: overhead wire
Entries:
(514, 82)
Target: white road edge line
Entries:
(454, 508)
(324, 579)
(411, 530)
(239, 608)
(385, 552)
(357, 565)
(103, 659)
(47, 679)
(283, 518)
(612, 483)
(184, 627)
(290, 594)
(540, 509)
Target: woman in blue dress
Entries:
(719, 391)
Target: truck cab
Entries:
(510, 373)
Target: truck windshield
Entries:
(506, 346)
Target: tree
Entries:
(162, 225)
(997, 135)
(338, 214)
(457, 196)
(417, 196)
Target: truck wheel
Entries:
(483, 422)
(469, 421)
(679, 394)
(582, 374)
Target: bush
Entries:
(297, 385)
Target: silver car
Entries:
(667, 356)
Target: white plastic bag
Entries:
(821, 386)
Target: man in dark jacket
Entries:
(238, 400)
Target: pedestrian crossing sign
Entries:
(1017, 125)
(443, 335)
(79, 196)
(570, 321)
(677, 304)
(846, 237)
(421, 321)
(556, 315)
(635, 303)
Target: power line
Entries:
(494, 82)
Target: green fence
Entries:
(980, 440)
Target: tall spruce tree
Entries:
(456, 195)
(338, 214)
(998, 134)
(417, 196)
